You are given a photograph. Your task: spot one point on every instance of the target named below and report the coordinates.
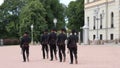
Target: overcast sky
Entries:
(66, 2)
(1, 1)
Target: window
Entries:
(101, 21)
(111, 36)
(94, 22)
(112, 20)
(94, 37)
(101, 37)
(88, 21)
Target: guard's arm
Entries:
(21, 43)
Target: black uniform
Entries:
(44, 42)
(72, 46)
(25, 47)
(61, 46)
(52, 43)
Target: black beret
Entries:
(73, 31)
(26, 32)
(54, 29)
(63, 29)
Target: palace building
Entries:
(103, 19)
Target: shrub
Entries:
(11, 41)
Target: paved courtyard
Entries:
(94, 56)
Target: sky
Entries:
(1, 1)
(66, 2)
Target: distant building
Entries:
(103, 19)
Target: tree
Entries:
(9, 12)
(75, 14)
(54, 10)
(16, 16)
(33, 13)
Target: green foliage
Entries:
(16, 16)
(75, 14)
(54, 10)
(33, 13)
(9, 12)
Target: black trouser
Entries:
(61, 52)
(53, 49)
(45, 48)
(73, 50)
(25, 49)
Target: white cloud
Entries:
(66, 2)
(1, 1)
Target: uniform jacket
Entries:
(52, 38)
(61, 39)
(44, 38)
(25, 41)
(72, 41)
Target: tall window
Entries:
(94, 20)
(94, 37)
(111, 36)
(101, 37)
(112, 20)
(88, 21)
(101, 21)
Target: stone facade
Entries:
(103, 19)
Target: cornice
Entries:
(97, 4)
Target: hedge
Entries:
(11, 41)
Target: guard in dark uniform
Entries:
(52, 43)
(72, 46)
(61, 45)
(24, 44)
(44, 42)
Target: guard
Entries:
(52, 43)
(72, 46)
(24, 44)
(61, 45)
(44, 43)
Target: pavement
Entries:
(89, 56)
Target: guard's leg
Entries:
(27, 52)
(47, 50)
(75, 54)
(60, 55)
(43, 50)
(71, 56)
(51, 52)
(23, 52)
(63, 52)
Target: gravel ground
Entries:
(94, 56)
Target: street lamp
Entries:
(66, 23)
(32, 33)
(55, 21)
(96, 12)
(67, 30)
